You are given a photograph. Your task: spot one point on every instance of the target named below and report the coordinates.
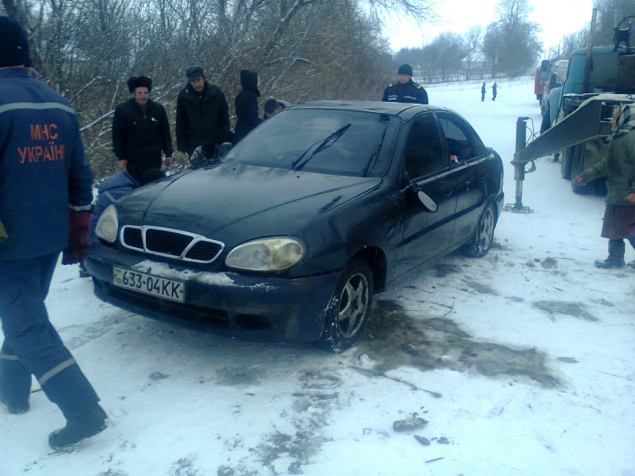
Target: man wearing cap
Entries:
(202, 115)
(45, 203)
(405, 89)
(141, 131)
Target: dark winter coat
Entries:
(200, 118)
(246, 104)
(618, 166)
(110, 190)
(139, 135)
(408, 92)
(43, 169)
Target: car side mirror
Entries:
(427, 201)
(224, 148)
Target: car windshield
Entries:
(319, 140)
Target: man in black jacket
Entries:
(202, 115)
(141, 131)
(405, 90)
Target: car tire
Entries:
(349, 307)
(483, 235)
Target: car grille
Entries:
(171, 243)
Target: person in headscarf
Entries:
(618, 166)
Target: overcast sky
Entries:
(556, 18)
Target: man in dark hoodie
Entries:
(202, 115)
(246, 104)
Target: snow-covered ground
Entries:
(520, 362)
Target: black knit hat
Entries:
(14, 47)
(405, 69)
(139, 82)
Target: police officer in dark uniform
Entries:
(405, 90)
(45, 202)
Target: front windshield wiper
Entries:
(318, 147)
(375, 154)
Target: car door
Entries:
(429, 198)
(466, 160)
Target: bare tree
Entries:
(511, 43)
(473, 41)
(302, 49)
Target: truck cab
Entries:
(612, 71)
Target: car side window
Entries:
(459, 140)
(424, 150)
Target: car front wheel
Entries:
(484, 234)
(349, 307)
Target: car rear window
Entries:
(323, 141)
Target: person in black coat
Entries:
(246, 104)
(141, 131)
(405, 89)
(202, 114)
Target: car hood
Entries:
(241, 202)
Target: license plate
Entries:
(171, 289)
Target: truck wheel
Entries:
(348, 310)
(577, 167)
(483, 235)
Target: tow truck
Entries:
(598, 79)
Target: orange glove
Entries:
(77, 240)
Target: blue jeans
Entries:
(31, 344)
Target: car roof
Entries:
(404, 110)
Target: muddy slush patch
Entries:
(574, 309)
(394, 338)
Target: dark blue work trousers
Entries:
(31, 344)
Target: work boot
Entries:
(610, 263)
(616, 256)
(83, 425)
(15, 408)
(83, 272)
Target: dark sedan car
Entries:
(291, 234)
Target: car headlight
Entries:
(266, 254)
(108, 225)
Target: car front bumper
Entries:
(246, 306)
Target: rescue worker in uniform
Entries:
(405, 89)
(45, 202)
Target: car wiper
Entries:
(375, 154)
(318, 147)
